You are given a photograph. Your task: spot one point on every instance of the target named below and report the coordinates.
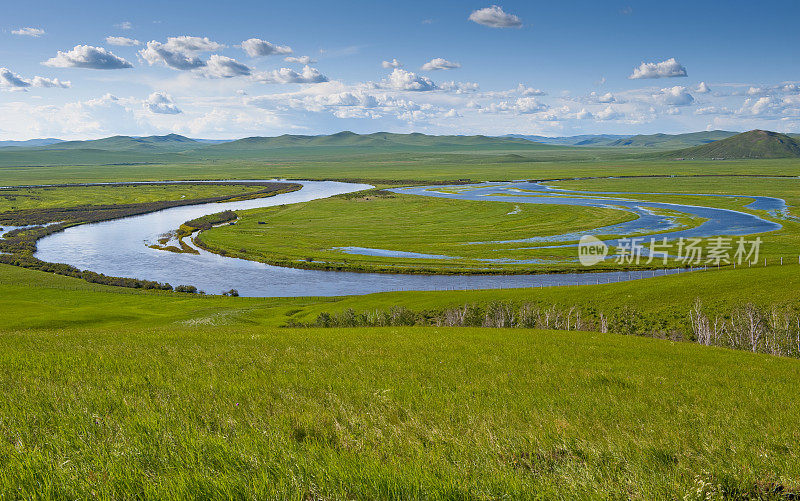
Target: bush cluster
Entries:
(774, 330)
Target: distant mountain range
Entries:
(123, 142)
(660, 141)
(379, 140)
(175, 142)
(582, 140)
(673, 141)
(30, 142)
(174, 147)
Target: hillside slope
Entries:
(755, 144)
(377, 140)
(673, 141)
(157, 144)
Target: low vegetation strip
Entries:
(206, 222)
(773, 330)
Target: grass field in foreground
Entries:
(309, 234)
(388, 413)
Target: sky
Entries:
(82, 70)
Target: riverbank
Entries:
(18, 246)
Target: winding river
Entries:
(119, 247)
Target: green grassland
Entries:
(419, 166)
(22, 198)
(307, 234)
(34, 300)
(118, 393)
(228, 406)
(389, 413)
(112, 392)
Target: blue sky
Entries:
(89, 69)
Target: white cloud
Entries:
(439, 63)
(11, 81)
(529, 105)
(180, 53)
(769, 107)
(606, 98)
(87, 56)
(702, 88)
(304, 60)
(288, 75)
(124, 25)
(609, 113)
(225, 67)
(394, 63)
(28, 32)
(665, 69)
(400, 79)
(255, 47)
(459, 87)
(192, 44)
(675, 96)
(584, 114)
(45, 83)
(529, 91)
(712, 110)
(522, 105)
(122, 41)
(162, 103)
(495, 17)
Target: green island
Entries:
(313, 234)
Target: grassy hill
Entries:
(672, 141)
(150, 144)
(378, 140)
(169, 394)
(580, 140)
(30, 143)
(174, 148)
(755, 144)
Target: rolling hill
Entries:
(580, 140)
(173, 148)
(157, 144)
(30, 143)
(673, 141)
(377, 140)
(752, 144)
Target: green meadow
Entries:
(310, 234)
(112, 392)
(398, 167)
(28, 198)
